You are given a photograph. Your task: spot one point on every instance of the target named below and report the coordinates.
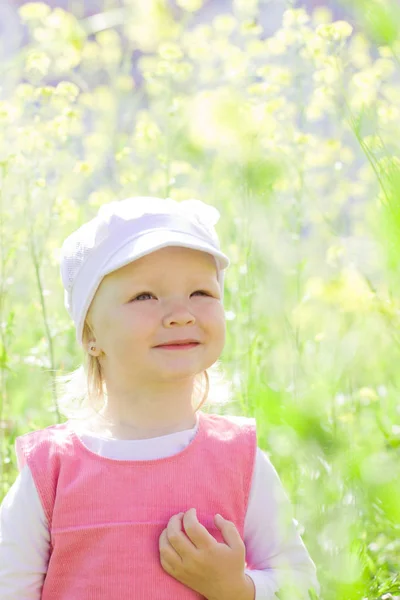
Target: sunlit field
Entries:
(295, 138)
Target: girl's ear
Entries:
(88, 332)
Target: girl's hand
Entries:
(197, 560)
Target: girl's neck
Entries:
(105, 425)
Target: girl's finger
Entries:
(197, 533)
(166, 549)
(229, 533)
(177, 537)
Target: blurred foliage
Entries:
(295, 138)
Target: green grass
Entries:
(295, 139)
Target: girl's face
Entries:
(172, 293)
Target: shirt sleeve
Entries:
(274, 549)
(24, 541)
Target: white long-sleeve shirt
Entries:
(273, 545)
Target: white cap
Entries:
(126, 230)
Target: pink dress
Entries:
(106, 516)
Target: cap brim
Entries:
(150, 242)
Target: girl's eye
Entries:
(150, 294)
(144, 294)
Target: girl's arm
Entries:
(24, 541)
(274, 549)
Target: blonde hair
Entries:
(84, 389)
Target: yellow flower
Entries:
(295, 16)
(170, 51)
(338, 30)
(190, 5)
(367, 393)
(34, 11)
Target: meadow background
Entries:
(295, 137)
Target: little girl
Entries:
(149, 498)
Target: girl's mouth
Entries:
(179, 346)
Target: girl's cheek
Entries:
(216, 311)
(143, 318)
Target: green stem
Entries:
(36, 256)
